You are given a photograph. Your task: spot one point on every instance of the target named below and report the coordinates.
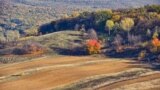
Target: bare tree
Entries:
(92, 34)
(118, 41)
(134, 39)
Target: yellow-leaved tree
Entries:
(109, 25)
(126, 24)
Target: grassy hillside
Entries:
(58, 43)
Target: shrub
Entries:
(93, 46)
(33, 48)
(155, 34)
(142, 55)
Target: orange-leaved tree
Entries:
(156, 45)
(93, 46)
(156, 42)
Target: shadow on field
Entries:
(128, 53)
(72, 52)
(144, 64)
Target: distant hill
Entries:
(114, 4)
(29, 13)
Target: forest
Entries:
(130, 32)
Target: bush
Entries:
(142, 55)
(33, 48)
(93, 46)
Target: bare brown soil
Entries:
(51, 77)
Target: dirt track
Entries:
(49, 72)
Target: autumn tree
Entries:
(155, 34)
(93, 46)
(156, 45)
(126, 24)
(101, 17)
(109, 25)
(116, 18)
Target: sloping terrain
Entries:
(58, 43)
(25, 14)
(69, 73)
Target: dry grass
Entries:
(63, 40)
